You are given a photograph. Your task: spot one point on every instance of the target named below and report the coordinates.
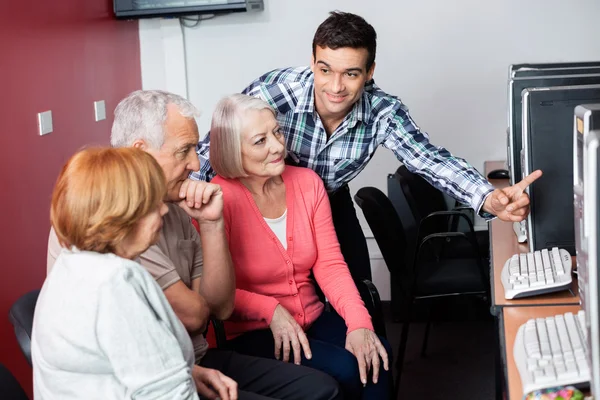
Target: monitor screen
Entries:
(515, 110)
(547, 145)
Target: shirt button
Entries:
(291, 281)
(300, 315)
(290, 239)
(288, 262)
(295, 294)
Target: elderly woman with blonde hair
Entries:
(103, 328)
(280, 230)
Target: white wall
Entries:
(448, 60)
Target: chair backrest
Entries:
(9, 386)
(387, 229)
(422, 197)
(21, 317)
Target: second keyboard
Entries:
(539, 272)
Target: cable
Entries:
(196, 21)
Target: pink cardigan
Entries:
(268, 275)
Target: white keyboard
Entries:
(530, 274)
(551, 352)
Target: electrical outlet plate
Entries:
(44, 122)
(100, 110)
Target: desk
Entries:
(503, 244)
(510, 314)
(512, 319)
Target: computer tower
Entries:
(588, 272)
(515, 117)
(587, 119)
(548, 145)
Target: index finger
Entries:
(362, 366)
(529, 179)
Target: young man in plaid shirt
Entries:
(334, 117)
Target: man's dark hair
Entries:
(343, 29)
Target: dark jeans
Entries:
(262, 379)
(350, 235)
(327, 338)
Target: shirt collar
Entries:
(306, 100)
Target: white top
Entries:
(103, 329)
(278, 226)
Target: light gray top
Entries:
(103, 329)
(176, 257)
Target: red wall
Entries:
(58, 55)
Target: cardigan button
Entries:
(290, 238)
(295, 294)
(291, 281)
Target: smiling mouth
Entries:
(278, 160)
(335, 98)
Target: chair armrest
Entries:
(370, 295)
(462, 208)
(445, 214)
(444, 236)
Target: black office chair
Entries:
(21, 317)
(425, 200)
(429, 274)
(9, 386)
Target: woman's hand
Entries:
(366, 347)
(212, 384)
(285, 331)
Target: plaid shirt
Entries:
(376, 119)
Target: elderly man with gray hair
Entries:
(195, 270)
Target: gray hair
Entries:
(142, 115)
(226, 133)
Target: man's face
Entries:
(340, 77)
(177, 156)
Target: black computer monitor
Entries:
(516, 87)
(587, 156)
(541, 69)
(526, 73)
(548, 145)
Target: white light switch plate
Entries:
(100, 110)
(44, 122)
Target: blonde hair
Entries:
(100, 195)
(226, 133)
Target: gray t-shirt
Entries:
(177, 256)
